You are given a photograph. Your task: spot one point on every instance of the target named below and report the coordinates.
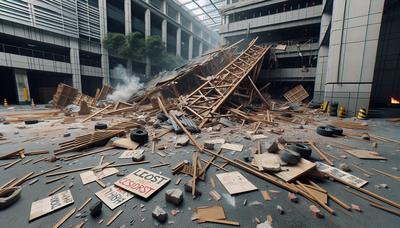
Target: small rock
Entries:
(71, 185)
(174, 196)
(316, 211)
(159, 214)
(273, 148)
(246, 159)
(53, 158)
(120, 174)
(345, 167)
(280, 209)
(365, 136)
(182, 140)
(217, 127)
(264, 225)
(95, 209)
(209, 146)
(356, 207)
(67, 134)
(137, 156)
(292, 197)
(343, 156)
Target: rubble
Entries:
(174, 196)
(159, 214)
(95, 209)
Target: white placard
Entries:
(235, 182)
(90, 176)
(113, 196)
(130, 153)
(50, 204)
(341, 175)
(142, 182)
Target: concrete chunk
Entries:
(137, 156)
(159, 214)
(174, 196)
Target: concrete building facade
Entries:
(43, 43)
(336, 48)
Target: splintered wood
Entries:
(296, 95)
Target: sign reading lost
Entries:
(340, 175)
(113, 196)
(90, 176)
(50, 204)
(142, 182)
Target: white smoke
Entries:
(130, 84)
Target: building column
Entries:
(105, 71)
(179, 42)
(147, 32)
(75, 64)
(190, 47)
(164, 32)
(21, 80)
(200, 48)
(128, 29)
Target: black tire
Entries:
(303, 149)
(325, 131)
(31, 121)
(100, 126)
(290, 157)
(139, 135)
(336, 130)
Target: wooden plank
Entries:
(115, 216)
(64, 218)
(226, 222)
(387, 174)
(12, 163)
(55, 179)
(126, 143)
(91, 176)
(321, 154)
(97, 113)
(84, 203)
(56, 190)
(213, 212)
(365, 154)
(292, 172)
(232, 146)
(235, 182)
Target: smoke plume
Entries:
(129, 84)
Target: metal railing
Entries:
(33, 53)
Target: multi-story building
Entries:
(45, 42)
(344, 51)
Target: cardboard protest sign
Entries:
(235, 182)
(341, 175)
(113, 196)
(90, 176)
(142, 182)
(52, 203)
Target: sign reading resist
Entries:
(142, 182)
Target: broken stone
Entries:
(356, 207)
(137, 156)
(182, 140)
(246, 159)
(159, 214)
(381, 186)
(209, 146)
(343, 156)
(365, 136)
(188, 188)
(273, 148)
(345, 167)
(217, 127)
(264, 225)
(280, 209)
(67, 134)
(292, 197)
(316, 211)
(53, 159)
(95, 209)
(174, 196)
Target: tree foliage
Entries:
(136, 47)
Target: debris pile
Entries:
(209, 113)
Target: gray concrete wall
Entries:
(352, 52)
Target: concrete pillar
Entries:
(105, 71)
(190, 47)
(200, 48)
(128, 28)
(179, 42)
(21, 80)
(147, 26)
(164, 7)
(164, 32)
(75, 64)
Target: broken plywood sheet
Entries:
(323, 197)
(232, 146)
(113, 196)
(90, 176)
(296, 95)
(215, 141)
(340, 175)
(235, 182)
(52, 203)
(126, 143)
(214, 212)
(130, 153)
(142, 182)
(292, 172)
(365, 154)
